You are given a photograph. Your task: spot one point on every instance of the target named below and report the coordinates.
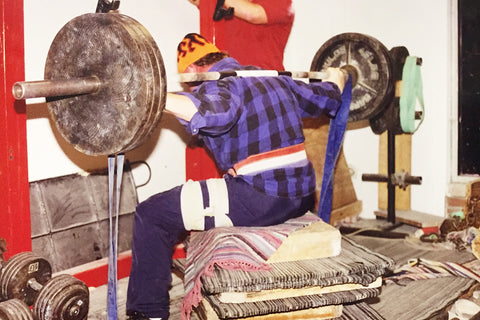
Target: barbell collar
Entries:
(56, 88)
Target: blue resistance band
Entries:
(113, 210)
(336, 133)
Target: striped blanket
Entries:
(232, 248)
(297, 285)
(421, 269)
(230, 311)
(354, 265)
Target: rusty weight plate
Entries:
(374, 89)
(128, 106)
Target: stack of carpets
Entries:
(228, 275)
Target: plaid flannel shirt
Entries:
(238, 117)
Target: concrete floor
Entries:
(98, 300)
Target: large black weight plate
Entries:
(19, 270)
(374, 88)
(389, 118)
(124, 56)
(64, 297)
(15, 309)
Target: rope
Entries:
(412, 90)
(336, 133)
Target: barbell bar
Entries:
(218, 75)
(105, 81)
(91, 85)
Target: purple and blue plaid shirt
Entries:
(238, 117)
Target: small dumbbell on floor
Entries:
(28, 278)
(15, 309)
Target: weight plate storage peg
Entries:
(64, 297)
(23, 275)
(374, 88)
(115, 80)
(15, 309)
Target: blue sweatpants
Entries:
(159, 224)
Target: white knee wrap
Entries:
(193, 212)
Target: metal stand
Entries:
(390, 173)
(393, 179)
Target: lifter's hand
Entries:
(337, 76)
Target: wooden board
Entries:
(318, 240)
(403, 155)
(350, 210)
(245, 297)
(344, 195)
(414, 218)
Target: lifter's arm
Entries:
(180, 106)
(184, 108)
(248, 11)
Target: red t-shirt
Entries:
(261, 45)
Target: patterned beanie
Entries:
(192, 48)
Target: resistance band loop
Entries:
(336, 133)
(412, 90)
(113, 202)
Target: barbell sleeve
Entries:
(55, 88)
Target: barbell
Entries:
(105, 81)
(27, 278)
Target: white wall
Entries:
(421, 26)
(49, 155)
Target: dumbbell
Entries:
(28, 278)
(15, 309)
